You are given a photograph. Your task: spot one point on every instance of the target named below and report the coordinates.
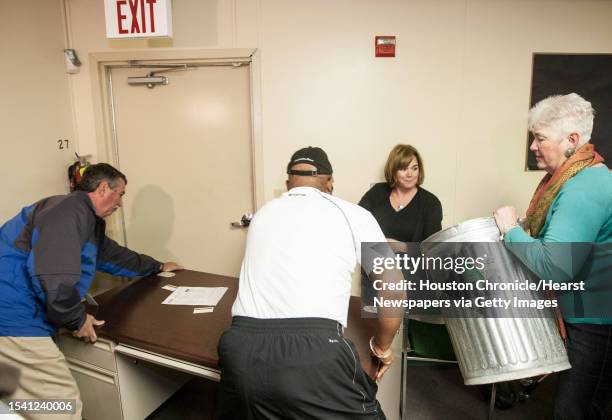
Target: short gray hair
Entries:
(567, 113)
(95, 174)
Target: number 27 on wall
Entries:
(63, 144)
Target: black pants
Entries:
(586, 389)
(292, 369)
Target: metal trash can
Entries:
(491, 349)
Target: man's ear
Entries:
(330, 185)
(102, 188)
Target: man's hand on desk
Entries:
(87, 331)
(171, 266)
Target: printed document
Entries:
(196, 296)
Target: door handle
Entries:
(244, 222)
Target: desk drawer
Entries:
(99, 354)
(99, 393)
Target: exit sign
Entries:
(138, 18)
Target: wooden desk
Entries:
(147, 350)
(135, 317)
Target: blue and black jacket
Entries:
(49, 254)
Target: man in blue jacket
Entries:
(49, 254)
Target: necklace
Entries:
(398, 204)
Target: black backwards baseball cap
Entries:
(314, 156)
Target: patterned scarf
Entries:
(549, 186)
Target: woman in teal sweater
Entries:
(567, 237)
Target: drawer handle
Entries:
(102, 346)
(96, 375)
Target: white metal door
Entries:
(185, 148)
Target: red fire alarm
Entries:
(384, 46)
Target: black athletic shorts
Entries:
(299, 368)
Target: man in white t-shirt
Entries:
(284, 355)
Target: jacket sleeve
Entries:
(56, 264)
(121, 261)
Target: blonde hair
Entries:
(399, 158)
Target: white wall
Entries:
(500, 38)
(458, 89)
(35, 107)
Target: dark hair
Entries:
(95, 174)
(399, 158)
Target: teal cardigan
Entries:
(566, 249)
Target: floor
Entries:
(433, 392)
(196, 400)
(438, 392)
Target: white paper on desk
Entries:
(196, 296)
(205, 310)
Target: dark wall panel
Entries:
(590, 76)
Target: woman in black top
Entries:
(405, 211)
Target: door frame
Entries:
(101, 64)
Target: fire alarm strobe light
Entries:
(384, 46)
